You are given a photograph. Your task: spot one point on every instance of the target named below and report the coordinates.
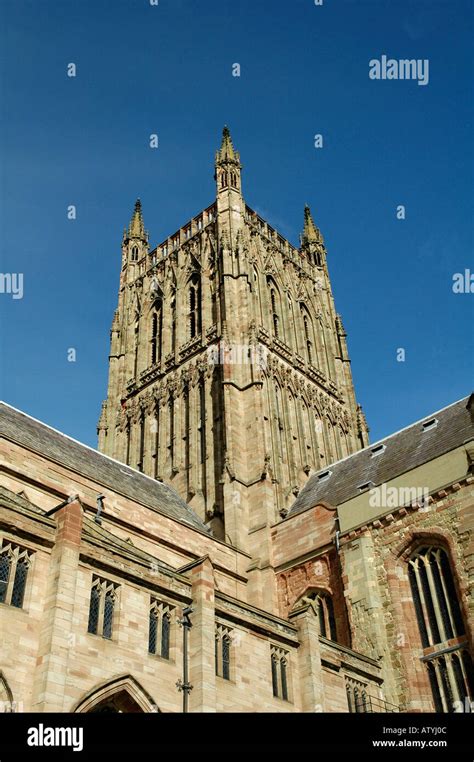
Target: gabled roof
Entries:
(26, 431)
(395, 455)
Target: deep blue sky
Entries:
(304, 70)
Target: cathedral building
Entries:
(235, 503)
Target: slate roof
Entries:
(404, 450)
(21, 428)
(91, 530)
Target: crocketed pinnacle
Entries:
(311, 233)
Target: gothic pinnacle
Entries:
(311, 233)
(227, 151)
(136, 228)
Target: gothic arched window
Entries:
(173, 319)
(280, 425)
(275, 305)
(134, 254)
(194, 314)
(171, 430)
(441, 624)
(156, 333)
(279, 666)
(159, 629)
(223, 651)
(308, 334)
(14, 564)
(325, 609)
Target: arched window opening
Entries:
(134, 254)
(274, 307)
(280, 425)
(194, 314)
(171, 431)
(441, 624)
(156, 334)
(173, 321)
(223, 636)
(309, 345)
(279, 667)
(308, 335)
(159, 629)
(325, 609)
(141, 443)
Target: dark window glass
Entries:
(152, 632)
(19, 583)
(469, 672)
(284, 681)
(4, 575)
(108, 614)
(441, 597)
(226, 658)
(458, 676)
(165, 636)
(452, 593)
(435, 636)
(322, 620)
(332, 621)
(350, 702)
(445, 682)
(274, 675)
(418, 608)
(94, 610)
(435, 687)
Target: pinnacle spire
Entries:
(311, 233)
(136, 228)
(227, 151)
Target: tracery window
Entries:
(156, 333)
(441, 627)
(102, 607)
(194, 314)
(159, 628)
(279, 667)
(14, 564)
(325, 608)
(223, 639)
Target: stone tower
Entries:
(229, 373)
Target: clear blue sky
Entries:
(304, 70)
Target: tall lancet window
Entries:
(134, 256)
(194, 314)
(308, 334)
(173, 319)
(171, 430)
(156, 332)
(274, 307)
(202, 421)
(281, 443)
(292, 324)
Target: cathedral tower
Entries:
(229, 374)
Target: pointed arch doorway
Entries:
(121, 695)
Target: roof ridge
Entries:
(125, 469)
(390, 436)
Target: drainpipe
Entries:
(184, 685)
